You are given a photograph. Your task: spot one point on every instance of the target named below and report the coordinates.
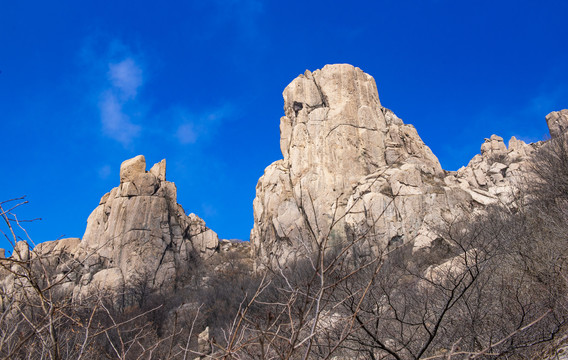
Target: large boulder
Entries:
(131, 168)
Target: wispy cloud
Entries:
(115, 121)
(186, 134)
(198, 126)
(125, 77)
(104, 172)
(115, 77)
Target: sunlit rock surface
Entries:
(139, 231)
(351, 168)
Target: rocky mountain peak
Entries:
(334, 118)
(358, 220)
(139, 232)
(350, 166)
(335, 134)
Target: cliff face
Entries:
(139, 231)
(351, 167)
(137, 236)
(470, 256)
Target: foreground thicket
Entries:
(500, 291)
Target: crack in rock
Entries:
(355, 126)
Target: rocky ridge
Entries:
(137, 233)
(352, 173)
(352, 168)
(349, 166)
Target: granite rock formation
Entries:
(137, 236)
(140, 232)
(352, 173)
(352, 168)
(557, 122)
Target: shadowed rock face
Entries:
(139, 231)
(346, 157)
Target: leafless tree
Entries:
(39, 320)
(497, 289)
(500, 292)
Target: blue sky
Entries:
(85, 85)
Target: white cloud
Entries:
(195, 126)
(220, 113)
(186, 134)
(125, 77)
(115, 122)
(117, 79)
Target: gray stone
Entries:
(347, 157)
(557, 122)
(21, 251)
(203, 345)
(141, 231)
(146, 184)
(130, 168)
(159, 170)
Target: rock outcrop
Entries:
(494, 176)
(557, 122)
(334, 135)
(138, 236)
(353, 177)
(352, 168)
(140, 233)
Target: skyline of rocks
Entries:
(349, 164)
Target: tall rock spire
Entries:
(334, 133)
(139, 232)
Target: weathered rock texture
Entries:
(557, 122)
(347, 158)
(140, 233)
(138, 237)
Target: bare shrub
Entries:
(499, 291)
